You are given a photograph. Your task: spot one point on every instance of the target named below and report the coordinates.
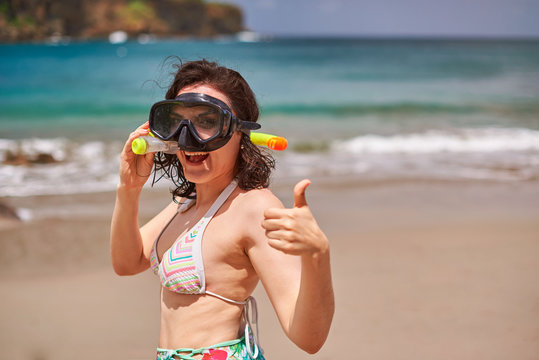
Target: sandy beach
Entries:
(422, 270)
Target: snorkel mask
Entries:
(198, 122)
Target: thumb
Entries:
(299, 193)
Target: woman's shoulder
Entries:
(248, 209)
(257, 200)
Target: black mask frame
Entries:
(186, 134)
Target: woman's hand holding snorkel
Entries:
(295, 231)
(129, 251)
(135, 169)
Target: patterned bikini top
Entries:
(181, 269)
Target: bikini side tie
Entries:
(250, 337)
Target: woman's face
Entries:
(203, 167)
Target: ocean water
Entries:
(351, 109)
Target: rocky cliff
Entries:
(34, 20)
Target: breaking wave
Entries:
(62, 166)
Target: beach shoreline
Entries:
(421, 269)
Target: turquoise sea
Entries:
(351, 109)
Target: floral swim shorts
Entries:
(230, 350)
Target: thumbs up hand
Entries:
(295, 231)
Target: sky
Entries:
(445, 18)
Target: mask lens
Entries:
(168, 117)
(165, 120)
(205, 119)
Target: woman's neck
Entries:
(208, 192)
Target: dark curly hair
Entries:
(253, 165)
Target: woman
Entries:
(222, 181)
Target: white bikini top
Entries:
(181, 269)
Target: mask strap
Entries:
(248, 126)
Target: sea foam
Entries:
(478, 154)
(501, 154)
(458, 141)
(74, 168)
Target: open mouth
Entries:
(196, 157)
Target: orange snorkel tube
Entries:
(272, 141)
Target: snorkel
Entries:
(197, 122)
(148, 144)
(274, 142)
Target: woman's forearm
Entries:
(126, 246)
(295, 231)
(315, 306)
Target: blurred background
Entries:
(361, 90)
(412, 116)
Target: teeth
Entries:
(195, 153)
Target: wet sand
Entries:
(422, 270)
